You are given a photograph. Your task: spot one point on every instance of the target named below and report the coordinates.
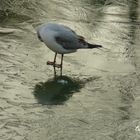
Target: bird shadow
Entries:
(57, 90)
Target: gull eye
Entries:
(39, 37)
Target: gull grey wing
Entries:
(70, 41)
(67, 41)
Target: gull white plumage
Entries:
(62, 40)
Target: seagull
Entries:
(62, 40)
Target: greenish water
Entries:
(97, 98)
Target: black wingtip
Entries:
(91, 46)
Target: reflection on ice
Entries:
(57, 90)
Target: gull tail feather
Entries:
(91, 46)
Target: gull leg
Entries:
(54, 61)
(54, 71)
(54, 64)
(61, 65)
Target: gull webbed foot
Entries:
(54, 64)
